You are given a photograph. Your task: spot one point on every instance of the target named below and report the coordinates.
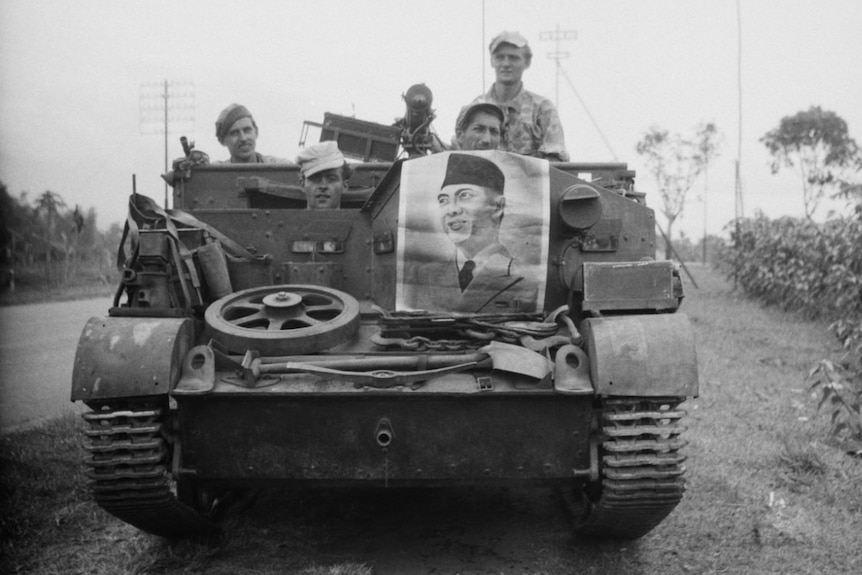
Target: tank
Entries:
(253, 342)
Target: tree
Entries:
(85, 226)
(7, 215)
(48, 207)
(43, 243)
(676, 162)
(817, 144)
(15, 215)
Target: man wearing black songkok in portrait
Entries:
(481, 275)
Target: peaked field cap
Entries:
(507, 37)
(229, 117)
(474, 170)
(465, 116)
(320, 157)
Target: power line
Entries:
(587, 110)
(164, 105)
(558, 35)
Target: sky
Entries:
(73, 76)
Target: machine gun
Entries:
(416, 136)
(370, 141)
(181, 167)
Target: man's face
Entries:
(482, 133)
(470, 215)
(509, 64)
(241, 140)
(323, 189)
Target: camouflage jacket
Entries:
(533, 125)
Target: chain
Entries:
(474, 332)
(421, 343)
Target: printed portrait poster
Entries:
(473, 233)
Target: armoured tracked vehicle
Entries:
(254, 342)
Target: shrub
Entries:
(816, 269)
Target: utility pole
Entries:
(165, 105)
(483, 60)
(705, 210)
(557, 36)
(738, 207)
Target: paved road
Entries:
(37, 351)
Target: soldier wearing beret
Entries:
(325, 175)
(532, 123)
(481, 275)
(237, 131)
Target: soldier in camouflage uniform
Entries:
(532, 123)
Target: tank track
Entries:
(642, 471)
(128, 469)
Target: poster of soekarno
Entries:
(473, 233)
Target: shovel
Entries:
(516, 359)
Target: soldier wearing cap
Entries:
(237, 131)
(480, 127)
(532, 123)
(325, 175)
(481, 275)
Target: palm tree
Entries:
(48, 207)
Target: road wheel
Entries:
(283, 320)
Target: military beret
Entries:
(229, 117)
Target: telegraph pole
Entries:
(705, 211)
(738, 207)
(164, 105)
(483, 60)
(557, 36)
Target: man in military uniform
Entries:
(325, 175)
(480, 127)
(237, 131)
(532, 123)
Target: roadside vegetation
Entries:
(50, 251)
(814, 269)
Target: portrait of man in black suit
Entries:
(474, 270)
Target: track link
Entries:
(127, 467)
(642, 471)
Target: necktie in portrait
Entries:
(465, 276)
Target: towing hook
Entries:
(384, 434)
(129, 276)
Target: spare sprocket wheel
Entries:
(283, 319)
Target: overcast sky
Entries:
(71, 76)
